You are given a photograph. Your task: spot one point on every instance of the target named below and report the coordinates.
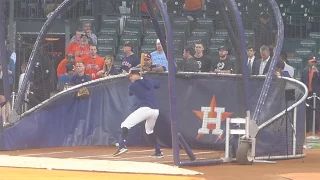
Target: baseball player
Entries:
(143, 89)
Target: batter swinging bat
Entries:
(141, 63)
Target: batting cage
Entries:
(218, 113)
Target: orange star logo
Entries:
(212, 114)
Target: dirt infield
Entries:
(261, 171)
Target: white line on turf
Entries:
(141, 157)
(110, 155)
(48, 153)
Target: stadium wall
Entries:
(65, 120)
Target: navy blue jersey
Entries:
(129, 62)
(76, 79)
(143, 89)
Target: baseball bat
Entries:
(141, 63)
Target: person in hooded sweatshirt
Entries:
(147, 109)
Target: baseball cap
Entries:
(223, 48)
(147, 57)
(128, 44)
(69, 67)
(312, 59)
(134, 70)
(158, 41)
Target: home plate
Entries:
(92, 165)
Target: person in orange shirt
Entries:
(310, 76)
(193, 9)
(82, 51)
(70, 59)
(75, 43)
(94, 63)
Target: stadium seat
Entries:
(132, 31)
(110, 22)
(118, 60)
(213, 50)
(218, 40)
(178, 43)
(193, 39)
(109, 31)
(178, 58)
(134, 40)
(150, 32)
(148, 48)
(309, 43)
(104, 50)
(181, 23)
(250, 37)
(134, 22)
(222, 32)
(202, 33)
(150, 40)
(204, 23)
(179, 33)
(107, 39)
(297, 64)
(315, 36)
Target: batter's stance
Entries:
(143, 89)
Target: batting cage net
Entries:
(209, 92)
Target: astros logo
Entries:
(211, 118)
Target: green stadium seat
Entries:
(309, 43)
(218, 40)
(201, 32)
(297, 64)
(181, 23)
(222, 32)
(250, 37)
(148, 48)
(109, 31)
(179, 33)
(104, 50)
(150, 32)
(178, 58)
(110, 22)
(204, 23)
(135, 22)
(132, 31)
(134, 40)
(150, 40)
(193, 39)
(118, 59)
(107, 39)
(213, 50)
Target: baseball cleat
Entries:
(157, 155)
(120, 151)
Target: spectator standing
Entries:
(193, 9)
(310, 76)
